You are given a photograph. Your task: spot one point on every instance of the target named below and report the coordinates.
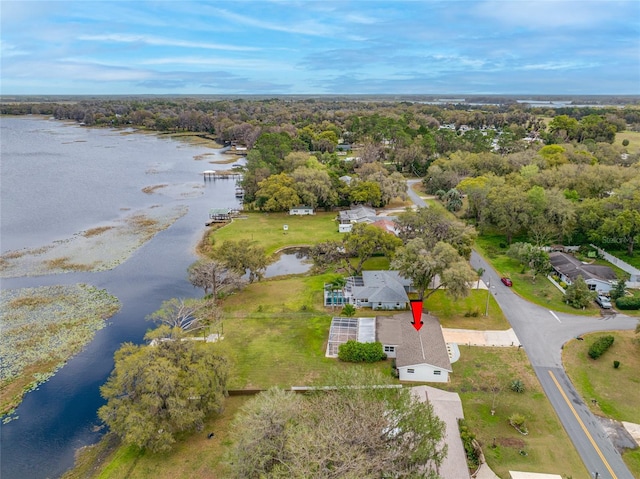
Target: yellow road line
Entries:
(584, 428)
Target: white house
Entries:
(421, 356)
(598, 277)
(301, 210)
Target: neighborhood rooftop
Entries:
(572, 267)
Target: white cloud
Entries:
(160, 41)
(8, 50)
(247, 64)
(305, 27)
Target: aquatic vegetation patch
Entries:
(66, 264)
(152, 189)
(96, 231)
(42, 328)
(96, 249)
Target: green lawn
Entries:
(634, 140)
(467, 313)
(275, 333)
(480, 372)
(540, 291)
(267, 229)
(615, 390)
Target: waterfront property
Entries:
(357, 214)
(378, 290)
(421, 356)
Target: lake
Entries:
(57, 181)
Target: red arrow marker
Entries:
(416, 310)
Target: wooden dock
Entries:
(221, 215)
(220, 174)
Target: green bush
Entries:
(473, 460)
(355, 352)
(600, 346)
(616, 364)
(628, 302)
(517, 386)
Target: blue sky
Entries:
(326, 47)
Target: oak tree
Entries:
(159, 390)
(353, 429)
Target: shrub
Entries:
(517, 420)
(517, 386)
(468, 439)
(600, 346)
(355, 352)
(626, 302)
(348, 310)
(563, 285)
(616, 364)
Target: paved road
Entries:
(542, 333)
(413, 195)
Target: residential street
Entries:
(542, 333)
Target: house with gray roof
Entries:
(357, 214)
(598, 277)
(420, 355)
(378, 290)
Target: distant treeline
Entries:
(242, 120)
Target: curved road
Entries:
(542, 333)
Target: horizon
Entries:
(278, 48)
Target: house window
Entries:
(411, 371)
(389, 349)
(437, 373)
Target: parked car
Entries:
(506, 281)
(603, 302)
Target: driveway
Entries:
(542, 333)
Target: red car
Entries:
(506, 281)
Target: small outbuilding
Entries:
(301, 211)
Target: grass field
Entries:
(634, 140)
(275, 333)
(467, 313)
(548, 449)
(615, 390)
(267, 229)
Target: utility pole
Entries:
(486, 309)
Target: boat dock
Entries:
(220, 174)
(221, 215)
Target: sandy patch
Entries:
(97, 249)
